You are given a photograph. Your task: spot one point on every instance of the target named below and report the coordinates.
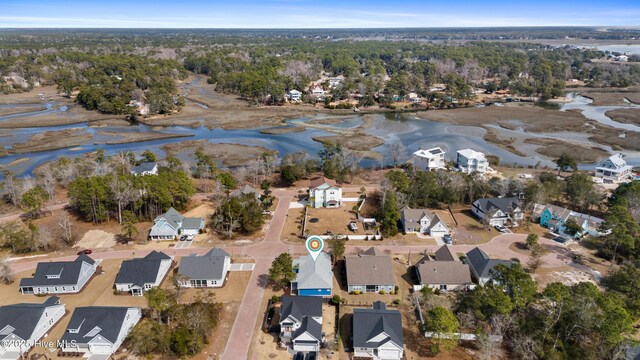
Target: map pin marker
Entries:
(314, 246)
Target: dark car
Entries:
(447, 239)
(85, 251)
(183, 237)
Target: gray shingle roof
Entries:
(191, 223)
(506, 205)
(375, 321)
(444, 253)
(69, 272)
(300, 306)
(311, 326)
(314, 274)
(142, 270)
(206, 267)
(145, 166)
(108, 318)
(23, 318)
(444, 272)
(172, 216)
(482, 264)
(366, 269)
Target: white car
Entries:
(501, 228)
(353, 226)
(526, 176)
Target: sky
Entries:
(315, 13)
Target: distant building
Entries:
(422, 221)
(377, 333)
(208, 270)
(60, 277)
(294, 95)
(316, 91)
(145, 168)
(21, 325)
(325, 192)
(336, 81)
(246, 190)
(429, 160)
(370, 271)
(469, 161)
(498, 211)
(313, 278)
(614, 168)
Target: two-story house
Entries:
(469, 161)
(294, 95)
(60, 277)
(301, 323)
(555, 219)
(422, 221)
(377, 333)
(171, 224)
(614, 168)
(325, 192)
(429, 160)
(498, 211)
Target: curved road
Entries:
(249, 311)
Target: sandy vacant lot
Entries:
(96, 239)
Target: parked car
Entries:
(353, 226)
(85, 251)
(501, 228)
(184, 237)
(447, 239)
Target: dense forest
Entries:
(108, 70)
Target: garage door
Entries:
(440, 233)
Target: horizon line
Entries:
(630, 27)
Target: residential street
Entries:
(265, 251)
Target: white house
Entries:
(137, 276)
(335, 81)
(208, 270)
(377, 333)
(60, 277)
(171, 224)
(325, 192)
(98, 330)
(469, 161)
(21, 325)
(429, 160)
(294, 95)
(614, 168)
(316, 91)
(498, 211)
(301, 323)
(145, 168)
(422, 221)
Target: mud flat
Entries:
(231, 155)
(52, 140)
(553, 148)
(30, 97)
(74, 115)
(359, 143)
(282, 130)
(126, 138)
(610, 96)
(22, 109)
(628, 116)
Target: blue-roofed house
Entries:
(314, 278)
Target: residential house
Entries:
(325, 192)
(171, 224)
(136, 276)
(316, 91)
(335, 81)
(414, 98)
(482, 267)
(208, 270)
(498, 211)
(98, 330)
(429, 160)
(377, 333)
(614, 168)
(21, 325)
(301, 323)
(422, 221)
(438, 87)
(469, 161)
(145, 168)
(370, 271)
(60, 277)
(313, 278)
(444, 273)
(294, 95)
(246, 190)
(555, 217)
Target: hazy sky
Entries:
(315, 14)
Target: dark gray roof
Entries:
(444, 253)
(311, 326)
(374, 321)
(209, 266)
(172, 216)
(191, 223)
(145, 166)
(369, 270)
(69, 272)
(507, 205)
(300, 306)
(482, 264)
(108, 318)
(142, 270)
(24, 317)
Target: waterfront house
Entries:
(294, 95)
(325, 192)
(145, 168)
(613, 168)
(429, 160)
(469, 161)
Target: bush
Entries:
(382, 292)
(275, 299)
(357, 292)
(396, 301)
(336, 299)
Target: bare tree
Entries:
(49, 184)
(352, 163)
(122, 192)
(13, 189)
(7, 275)
(44, 239)
(397, 153)
(65, 225)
